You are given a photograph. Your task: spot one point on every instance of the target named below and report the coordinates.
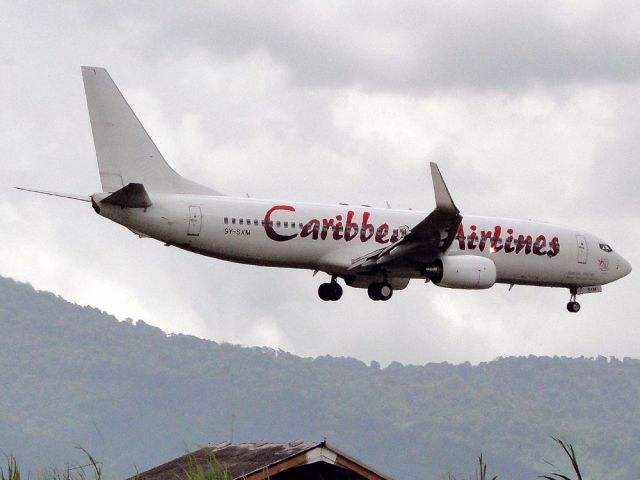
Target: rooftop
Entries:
(264, 460)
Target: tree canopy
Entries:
(135, 397)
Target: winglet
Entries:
(444, 201)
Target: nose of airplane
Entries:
(624, 267)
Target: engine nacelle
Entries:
(463, 271)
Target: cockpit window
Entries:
(606, 248)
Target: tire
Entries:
(385, 291)
(573, 307)
(335, 291)
(324, 291)
(380, 291)
(374, 291)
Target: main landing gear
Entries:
(380, 291)
(330, 292)
(573, 306)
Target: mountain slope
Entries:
(136, 397)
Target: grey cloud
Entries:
(405, 46)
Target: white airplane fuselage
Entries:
(282, 233)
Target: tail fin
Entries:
(126, 154)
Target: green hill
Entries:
(135, 397)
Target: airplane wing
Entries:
(426, 241)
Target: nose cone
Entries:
(624, 268)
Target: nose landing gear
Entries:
(330, 292)
(573, 306)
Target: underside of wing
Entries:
(428, 240)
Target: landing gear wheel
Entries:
(386, 291)
(330, 291)
(335, 291)
(573, 307)
(324, 291)
(373, 292)
(380, 291)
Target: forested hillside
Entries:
(135, 397)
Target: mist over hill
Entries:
(136, 397)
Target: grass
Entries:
(91, 470)
(13, 470)
(213, 470)
(568, 449)
(481, 473)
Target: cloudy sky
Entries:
(531, 109)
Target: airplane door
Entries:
(195, 221)
(582, 248)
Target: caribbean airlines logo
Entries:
(340, 227)
(603, 263)
(349, 228)
(492, 240)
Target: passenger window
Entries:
(233, 221)
(278, 223)
(249, 221)
(286, 224)
(255, 222)
(226, 220)
(395, 232)
(240, 221)
(300, 224)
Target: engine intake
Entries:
(462, 271)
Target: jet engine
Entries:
(462, 271)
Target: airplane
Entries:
(377, 249)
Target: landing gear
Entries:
(380, 291)
(330, 292)
(573, 306)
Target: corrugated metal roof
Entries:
(263, 459)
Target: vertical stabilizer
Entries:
(126, 154)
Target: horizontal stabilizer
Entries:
(82, 198)
(133, 195)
